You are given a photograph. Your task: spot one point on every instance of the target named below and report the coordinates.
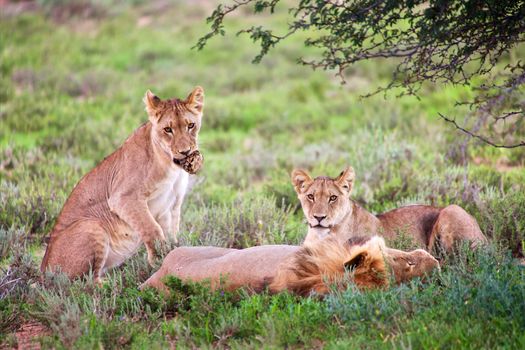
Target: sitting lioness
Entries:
(134, 195)
(299, 269)
(329, 211)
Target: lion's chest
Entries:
(166, 192)
(315, 235)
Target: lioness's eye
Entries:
(333, 198)
(168, 130)
(191, 126)
(310, 197)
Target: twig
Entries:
(479, 137)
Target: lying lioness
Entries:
(301, 270)
(134, 195)
(329, 211)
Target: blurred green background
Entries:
(73, 74)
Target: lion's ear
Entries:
(356, 262)
(195, 99)
(346, 179)
(152, 102)
(300, 179)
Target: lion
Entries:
(302, 270)
(329, 211)
(134, 195)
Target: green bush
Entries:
(503, 219)
(248, 220)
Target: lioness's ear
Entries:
(152, 102)
(195, 99)
(346, 179)
(355, 262)
(300, 178)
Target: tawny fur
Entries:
(405, 266)
(133, 196)
(301, 270)
(329, 211)
(317, 268)
(223, 267)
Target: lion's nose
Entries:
(185, 152)
(319, 218)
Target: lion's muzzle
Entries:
(191, 163)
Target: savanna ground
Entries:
(72, 78)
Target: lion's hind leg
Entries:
(81, 247)
(454, 225)
(186, 263)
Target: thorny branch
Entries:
(472, 134)
(437, 41)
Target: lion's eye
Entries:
(310, 197)
(168, 130)
(191, 126)
(333, 198)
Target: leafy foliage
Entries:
(430, 41)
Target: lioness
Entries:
(134, 195)
(329, 211)
(299, 269)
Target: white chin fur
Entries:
(321, 232)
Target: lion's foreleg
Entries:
(137, 215)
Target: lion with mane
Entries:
(302, 270)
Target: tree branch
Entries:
(479, 137)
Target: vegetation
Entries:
(452, 41)
(73, 75)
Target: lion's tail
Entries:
(43, 265)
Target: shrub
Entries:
(503, 219)
(248, 220)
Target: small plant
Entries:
(248, 220)
(503, 219)
(10, 239)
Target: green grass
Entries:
(70, 93)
